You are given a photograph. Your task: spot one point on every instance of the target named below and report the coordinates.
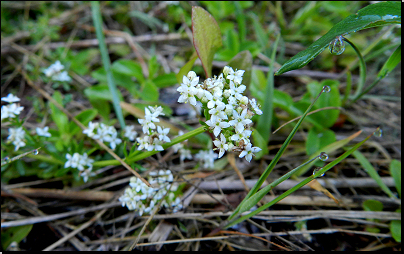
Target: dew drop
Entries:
(337, 46)
(323, 156)
(35, 152)
(6, 158)
(378, 133)
(326, 89)
(316, 170)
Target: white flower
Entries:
(156, 145)
(248, 152)
(244, 135)
(10, 98)
(207, 157)
(255, 107)
(190, 82)
(187, 94)
(185, 154)
(236, 76)
(239, 120)
(143, 143)
(177, 146)
(218, 113)
(221, 144)
(62, 76)
(163, 134)
(90, 130)
(227, 70)
(113, 140)
(72, 161)
(10, 111)
(86, 174)
(16, 137)
(43, 132)
(104, 132)
(53, 69)
(130, 132)
(217, 125)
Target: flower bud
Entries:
(191, 75)
(244, 100)
(227, 70)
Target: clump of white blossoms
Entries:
(154, 136)
(54, 71)
(16, 137)
(103, 133)
(143, 199)
(207, 157)
(180, 147)
(82, 163)
(227, 110)
(12, 109)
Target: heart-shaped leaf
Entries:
(379, 14)
(206, 37)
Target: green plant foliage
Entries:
(372, 205)
(206, 37)
(379, 14)
(316, 140)
(395, 229)
(14, 234)
(395, 171)
(243, 61)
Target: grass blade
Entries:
(95, 7)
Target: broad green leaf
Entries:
(206, 37)
(153, 66)
(14, 234)
(58, 116)
(83, 117)
(395, 229)
(103, 107)
(395, 171)
(165, 80)
(150, 91)
(372, 173)
(128, 67)
(243, 61)
(185, 69)
(391, 63)
(372, 205)
(100, 92)
(379, 14)
(318, 139)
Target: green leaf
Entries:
(395, 228)
(395, 171)
(372, 173)
(14, 234)
(165, 80)
(153, 66)
(103, 107)
(372, 205)
(379, 14)
(260, 142)
(185, 69)
(243, 61)
(316, 140)
(206, 37)
(391, 63)
(60, 119)
(150, 91)
(83, 117)
(100, 92)
(128, 67)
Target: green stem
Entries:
(362, 69)
(95, 7)
(348, 87)
(144, 155)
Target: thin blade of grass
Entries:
(319, 173)
(372, 173)
(95, 9)
(278, 155)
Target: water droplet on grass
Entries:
(316, 170)
(35, 152)
(323, 156)
(326, 89)
(378, 133)
(6, 159)
(337, 46)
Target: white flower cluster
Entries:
(82, 163)
(143, 198)
(229, 110)
(44, 132)
(103, 133)
(11, 110)
(16, 137)
(207, 157)
(55, 72)
(153, 139)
